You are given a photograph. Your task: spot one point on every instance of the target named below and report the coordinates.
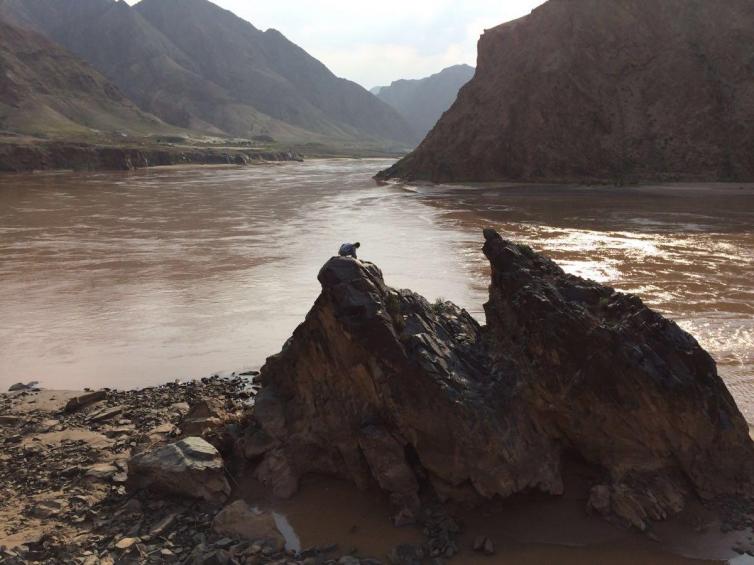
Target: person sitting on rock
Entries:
(349, 250)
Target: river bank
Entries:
(65, 497)
(36, 155)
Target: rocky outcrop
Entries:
(380, 387)
(21, 386)
(21, 157)
(604, 91)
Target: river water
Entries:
(133, 279)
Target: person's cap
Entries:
(357, 244)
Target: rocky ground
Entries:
(85, 478)
(64, 472)
(75, 487)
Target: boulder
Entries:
(380, 387)
(276, 472)
(180, 408)
(191, 467)
(79, 402)
(203, 417)
(101, 471)
(8, 420)
(105, 414)
(238, 520)
(612, 379)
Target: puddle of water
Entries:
(534, 529)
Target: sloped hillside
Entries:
(44, 89)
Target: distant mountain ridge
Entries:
(603, 91)
(422, 102)
(47, 90)
(198, 66)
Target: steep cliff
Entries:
(380, 387)
(596, 90)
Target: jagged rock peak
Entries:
(378, 386)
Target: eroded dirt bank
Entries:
(58, 155)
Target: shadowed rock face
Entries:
(379, 386)
(625, 387)
(596, 90)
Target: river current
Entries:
(134, 279)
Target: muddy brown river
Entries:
(133, 279)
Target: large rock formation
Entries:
(378, 386)
(603, 90)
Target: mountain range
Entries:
(196, 66)
(46, 90)
(604, 91)
(422, 102)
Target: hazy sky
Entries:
(376, 42)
